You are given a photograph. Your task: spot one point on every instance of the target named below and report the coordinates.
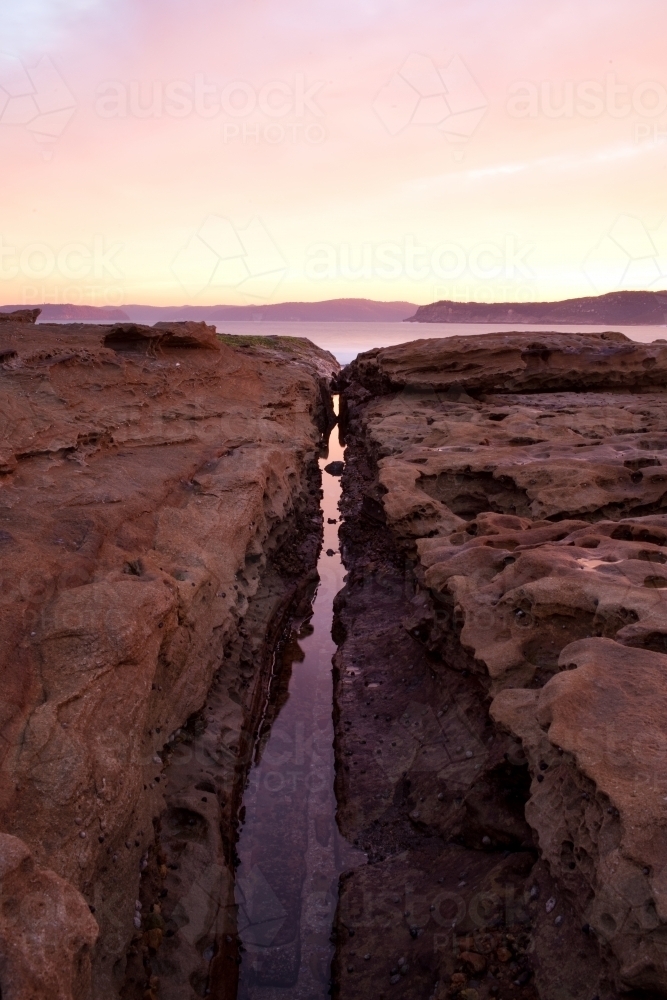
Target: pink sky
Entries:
(305, 150)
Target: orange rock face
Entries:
(524, 477)
(145, 472)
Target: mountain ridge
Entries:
(628, 308)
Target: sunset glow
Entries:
(199, 152)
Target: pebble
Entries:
(534, 892)
(137, 921)
(558, 921)
(395, 979)
(551, 905)
(402, 961)
(441, 797)
(468, 754)
(367, 957)
(486, 841)
(82, 834)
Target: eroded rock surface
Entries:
(155, 483)
(503, 637)
(514, 362)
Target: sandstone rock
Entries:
(149, 475)
(46, 930)
(131, 337)
(601, 810)
(517, 486)
(20, 316)
(512, 362)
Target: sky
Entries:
(219, 151)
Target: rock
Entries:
(20, 316)
(153, 938)
(477, 963)
(46, 929)
(146, 470)
(606, 713)
(519, 480)
(335, 469)
(511, 362)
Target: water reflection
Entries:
(290, 850)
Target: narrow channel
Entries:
(290, 851)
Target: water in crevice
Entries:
(290, 851)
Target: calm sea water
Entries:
(346, 340)
(290, 850)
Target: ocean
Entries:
(346, 340)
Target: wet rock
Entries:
(335, 469)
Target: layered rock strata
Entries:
(159, 493)
(503, 638)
